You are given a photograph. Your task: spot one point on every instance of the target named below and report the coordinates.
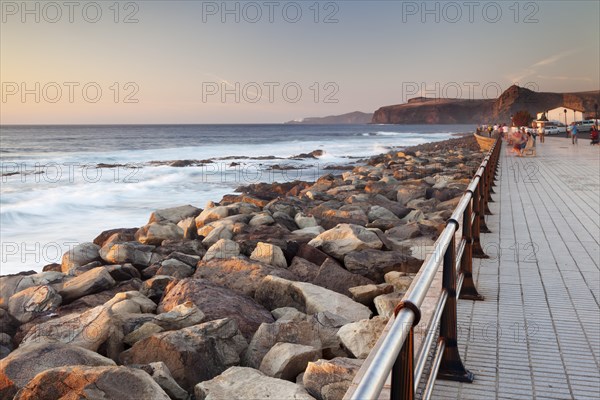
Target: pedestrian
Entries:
(574, 134)
(594, 136)
(541, 133)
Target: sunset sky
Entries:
(278, 61)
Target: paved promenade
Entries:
(537, 334)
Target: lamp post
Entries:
(596, 109)
(566, 126)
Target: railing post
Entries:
(477, 250)
(481, 189)
(468, 291)
(451, 365)
(403, 371)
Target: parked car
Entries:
(583, 126)
(551, 130)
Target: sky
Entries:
(151, 62)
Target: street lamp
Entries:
(596, 108)
(566, 126)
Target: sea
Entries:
(63, 185)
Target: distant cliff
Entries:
(422, 110)
(355, 117)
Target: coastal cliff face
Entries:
(450, 111)
(355, 117)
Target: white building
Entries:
(558, 114)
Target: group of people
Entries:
(520, 139)
(594, 141)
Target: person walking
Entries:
(574, 134)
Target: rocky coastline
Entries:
(277, 291)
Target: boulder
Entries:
(248, 383)
(128, 252)
(386, 303)
(303, 269)
(174, 214)
(189, 247)
(240, 275)
(285, 314)
(330, 379)
(175, 268)
(79, 255)
(366, 293)
(403, 232)
(311, 231)
(217, 302)
(33, 301)
(146, 330)
(328, 325)
(220, 232)
(414, 216)
(378, 212)
(123, 272)
(193, 354)
(305, 221)
(419, 247)
(400, 280)
(275, 292)
(223, 248)
(263, 218)
(93, 281)
(161, 375)
(154, 287)
(360, 337)
(374, 264)
(8, 324)
(115, 236)
(345, 238)
(188, 226)
(408, 193)
(11, 284)
(268, 335)
(26, 362)
(209, 215)
(101, 325)
(333, 277)
(287, 360)
(83, 382)
(154, 233)
(269, 254)
(180, 316)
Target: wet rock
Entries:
(269, 254)
(193, 354)
(26, 362)
(33, 301)
(75, 382)
(345, 238)
(287, 360)
(275, 292)
(217, 302)
(360, 337)
(248, 383)
(330, 379)
(374, 264)
(174, 214)
(79, 255)
(155, 232)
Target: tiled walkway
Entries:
(537, 334)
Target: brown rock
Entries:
(330, 379)
(374, 264)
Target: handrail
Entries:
(395, 353)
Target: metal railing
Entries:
(395, 354)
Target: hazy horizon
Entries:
(194, 62)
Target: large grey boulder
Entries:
(33, 301)
(248, 383)
(360, 337)
(24, 363)
(174, 214)
(330, 379)
(193, 354)
(344, 238)
(79, 255)
(275, 292)
(287, 360)
(92, 281)
(83, 382)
